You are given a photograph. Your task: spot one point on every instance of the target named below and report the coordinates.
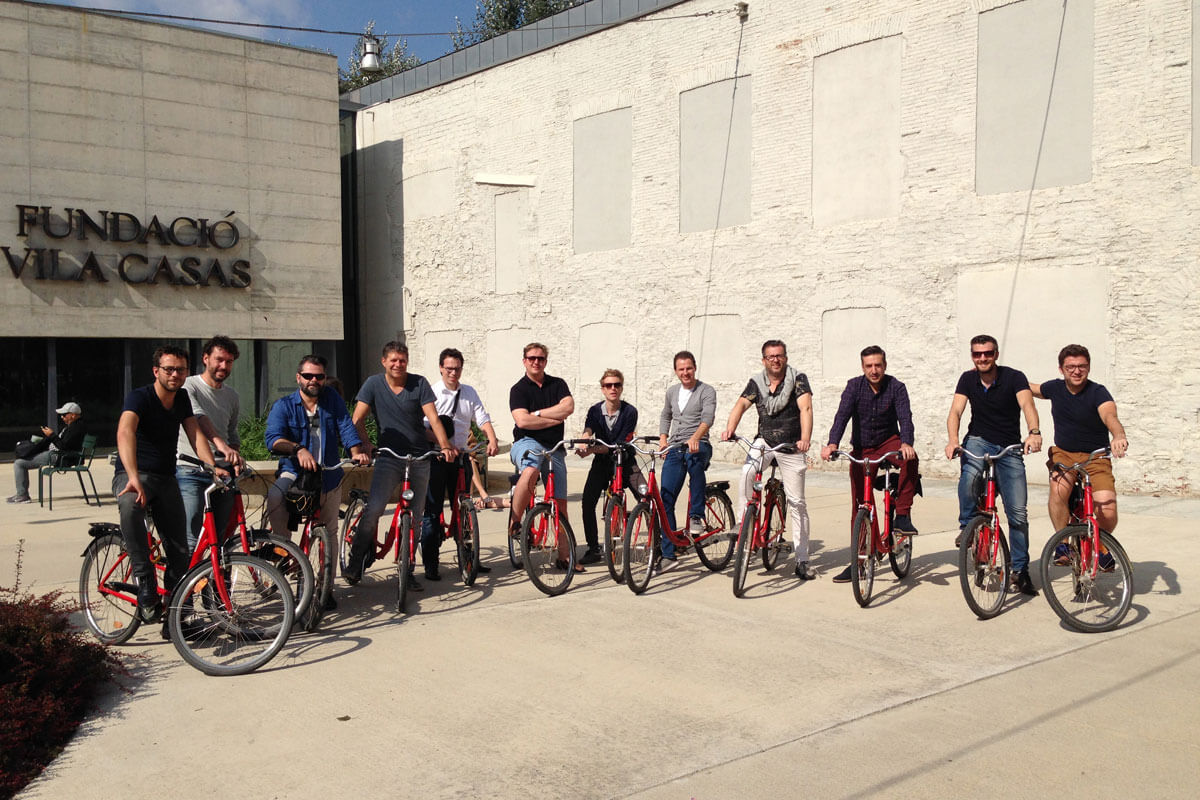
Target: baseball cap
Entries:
(69, 408)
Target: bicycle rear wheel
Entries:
(745, 549)
(775, 546)
(543, 538)
(715, 548)
(234, 637)
(108, 590)
(320, 560)
(287, 557)
(862, 557)
(640, 547)
(1089, 594)
(615, 517)
(466, 542)
(404, 564)
(349, 525)
(983, 567)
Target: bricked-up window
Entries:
(1017, 48)
(1195, 82)
(714, 155)
(603, 172)
(512, 242)
(857, 168)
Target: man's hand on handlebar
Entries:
(907, 451)
(827, 451)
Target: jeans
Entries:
(389, 473)
(192, 484)
(166, 506)
(792, 467)
(21, 469)
(443, 486)
(679, 463)
(1010, 482)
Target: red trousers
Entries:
(908, 475)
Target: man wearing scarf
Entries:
(784, 402)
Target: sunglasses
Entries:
(312, 376)
(173, 370)
(1076, 368)
(983, 353)
(611, 385)
(536, 359)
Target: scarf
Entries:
(774, 403)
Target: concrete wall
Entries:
(104, 115)
(869, 220)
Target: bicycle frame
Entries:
(679, 538)
(1084, 513)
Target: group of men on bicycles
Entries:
(308, 429)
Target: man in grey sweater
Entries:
(689, 411)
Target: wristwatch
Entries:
(1035, 431)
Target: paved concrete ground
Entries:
(684, 692)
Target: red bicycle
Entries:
(463, 526)
(868, 539)
(983, 560)
(616, 509)
(1086, 575)
(763, 520)
(546, 543)
(230, 614)
(648, 523)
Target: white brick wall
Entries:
(1130, 227)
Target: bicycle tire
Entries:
(234, 640)
(320, 559)
(745, 549)
(716, 550)
(615, 517)
(1091, 604)
(640, 547)
(982, 575)
(774, 547)
(404, 564)
(466, 542)
(346, 532)
(541, 544)
(862, 557)
(108, 590)
(515, 556)
(287, 557)
(900, 552)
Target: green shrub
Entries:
(50, 674)
(252, 431)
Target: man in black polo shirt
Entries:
(998, 397)
(540, 404)
(147, 435)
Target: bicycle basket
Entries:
(304, 494)
(889, 480)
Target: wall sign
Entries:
(209, 256)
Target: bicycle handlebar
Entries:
(748, 445)
(868, 462)
(1012, 449)
(211, 469)
(423, 457)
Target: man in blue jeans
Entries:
(688, 413)
(998, 397)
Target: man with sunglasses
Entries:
(1085, 415)
(614, 421)
(306, 428)
(144, 479)
(461, 403)
(999, 396)
(540, 405)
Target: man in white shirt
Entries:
(461, 405)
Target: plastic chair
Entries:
(68, 462)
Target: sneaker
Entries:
(804, 572)
(330, 604)
(484, 568)
(1062, 556)
(696, 526)
(433, 575)
(592, 557)
(843, 576)
(1024, 584)
(351, 576)
(20, 498)
(666, 565)
(903, 523)
(150, 612)
(413, 584)
(1107, 562)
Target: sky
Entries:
(391, 16)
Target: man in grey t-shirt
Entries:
(216, 407)
(401, 403)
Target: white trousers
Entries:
(792, 467)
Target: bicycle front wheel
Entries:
(233, 620)
(745, 550)
(320, 560)
(983, 567)
(862, 557)
(350, 519)
(715, 545)
(1090, 593)
(775, 546)
(900, 553)
(286, 556)
(615, 517)
(404, 564)
(466, 542)
(549, 546)
(640, 547)
(108, 590)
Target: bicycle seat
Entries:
(103, 528)
(721, 485)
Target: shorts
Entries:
(1100, 470)
(527, 453)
